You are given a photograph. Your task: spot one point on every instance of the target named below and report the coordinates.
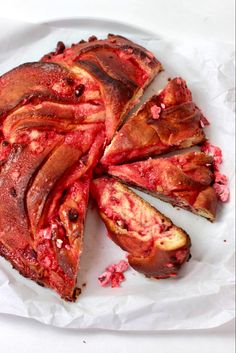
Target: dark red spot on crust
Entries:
(60, 48)
(69, 81)
(13, 192)
(73, 215)
(5, 143)
(92, 38)
(79, 90)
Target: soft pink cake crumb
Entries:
(105, 278)
(45, 233)
(220, 186)
(116, 279)
(155, 110)
(222, 191)
(178, 81)
(220, 178)
(122, 266)
(114, 274)
(213, 151)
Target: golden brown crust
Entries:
(114, 43)
(175, 125)
(206, 203)
(35, 82)
(156, 247)
(168, 263)
(122, 68)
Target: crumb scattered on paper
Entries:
(114, 274)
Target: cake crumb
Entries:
(114, 274)
(155, 111)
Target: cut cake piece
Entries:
(168, 121)
(184, 180)
(44, 187)
(156, 247)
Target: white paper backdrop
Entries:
(203, 295)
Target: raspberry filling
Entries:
(180, 178)
(139, 222)
(128, 214)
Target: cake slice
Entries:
(51, 256)
(156, 247)
(44, 195)
(184, 180)
(168, 121)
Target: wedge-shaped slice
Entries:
(58, 239)
(52, 170)
(52, 258)
(15, 177)
(156, 247)
(184, 180)
(44, 188)
(168, 121)
(120, 67)
(58, 244)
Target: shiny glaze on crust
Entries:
(55, 118)
(177, 125)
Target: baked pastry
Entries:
(156, 247)
(168, 121)
(55, 116)
(114, 70)
(184, 180)
(44, 193)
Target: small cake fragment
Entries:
(114, 274)
(220, 186)
(221, 181)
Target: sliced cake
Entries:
(168, 121)
(184, 180)
(156, 247)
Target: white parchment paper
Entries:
(203, 295)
